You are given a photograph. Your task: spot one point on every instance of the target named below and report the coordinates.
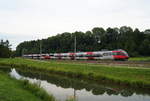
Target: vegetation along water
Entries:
(122, 75)
(63, 87)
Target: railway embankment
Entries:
(122, 75)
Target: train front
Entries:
(120, 55)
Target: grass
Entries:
(139, 59)
(136, 77)
(39, 92)
(15, 90)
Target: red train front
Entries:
(120, 55)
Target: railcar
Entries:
(96, 55)
(37, 56)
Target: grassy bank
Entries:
(15, 90)
(139, 59)
(135, 77)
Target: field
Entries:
(140, 59)
(15, 90)
(131, 63)
(136, 77)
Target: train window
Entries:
(106, 54)
(88, 55)
(120, 53)
(81, 55)
(93, 55)
(114, 53)
(97, 55)
(51, 55)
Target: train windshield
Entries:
(120, 53)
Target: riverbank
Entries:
(16, 90)
(135, 77)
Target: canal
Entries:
(64, 87)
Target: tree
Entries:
(111, 38)
(144, 48)
(98, 34)
(5, 51)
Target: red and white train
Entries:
(96, 55)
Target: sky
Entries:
(22, 20)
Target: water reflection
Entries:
(14, 74)
(63, 87)
(95, 88)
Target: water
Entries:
(64, 87)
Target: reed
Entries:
(37, 91)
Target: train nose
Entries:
(127, 57)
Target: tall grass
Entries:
(37, 91)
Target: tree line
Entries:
(135, 42)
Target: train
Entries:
(95, 55)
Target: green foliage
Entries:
(145, 47)
(136, 43)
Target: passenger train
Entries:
(96, 55)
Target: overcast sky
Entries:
(22, 20)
